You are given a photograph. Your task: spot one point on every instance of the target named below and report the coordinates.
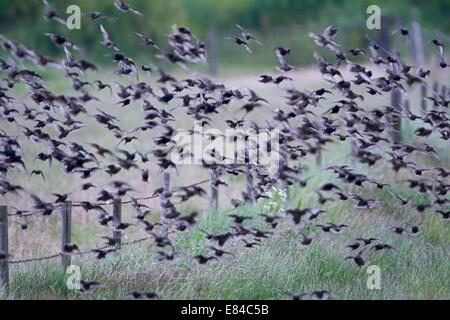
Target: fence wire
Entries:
(80, 203)
(77, 253)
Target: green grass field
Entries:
(419, 270)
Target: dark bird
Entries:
(86, 286)
(239, 219)
(101, 85)
(358, 259)
(147, 295)
(296, 296)
(38, 172)
(122, 226)
(247, 36)
(328, 187)
(382, 246)
(201, 259)
(106, 41)
(23, 226)
(321, 295)
(95, 15)
(242, 42)
(123, 6)
(4, 255)
(147, 41)
(50, 13)
(218, 252)
(271, 220)
(189, 219)
(415, 229)
(102, 253)
(353, 246)
(149, 226)
(306, 240)
(366, 241)
(111, 241)
(168, 256)
(445, 215)
(357, 51)
(404, 201)
(161, 241)
(221, 239)
(144, 175)
(297, 215)
(402, 31)
(440, 51)
(398, 230)
(71, 247)
(249, 244)
(60, 40)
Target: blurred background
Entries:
(274, 22)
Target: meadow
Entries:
(418, 270)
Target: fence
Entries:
(394, 130)
(296, 37)
(66, 227)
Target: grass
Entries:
(419, 270)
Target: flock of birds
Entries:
(302, 133)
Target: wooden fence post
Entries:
(249, 184)
(164, 197)
(435, 89)
(214, 192)
(353, 148)
(4, 264)
(444, 91)
(282, 163)
(66, 232)
(416, 40)
(117, 219)
(406, 106)
(423, 95)
(385, 32)
(394, 120)
(213, 58)
(286, 191)
(319, 157)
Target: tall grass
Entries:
(419, 270)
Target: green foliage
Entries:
(23, 20)
(277, 198)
